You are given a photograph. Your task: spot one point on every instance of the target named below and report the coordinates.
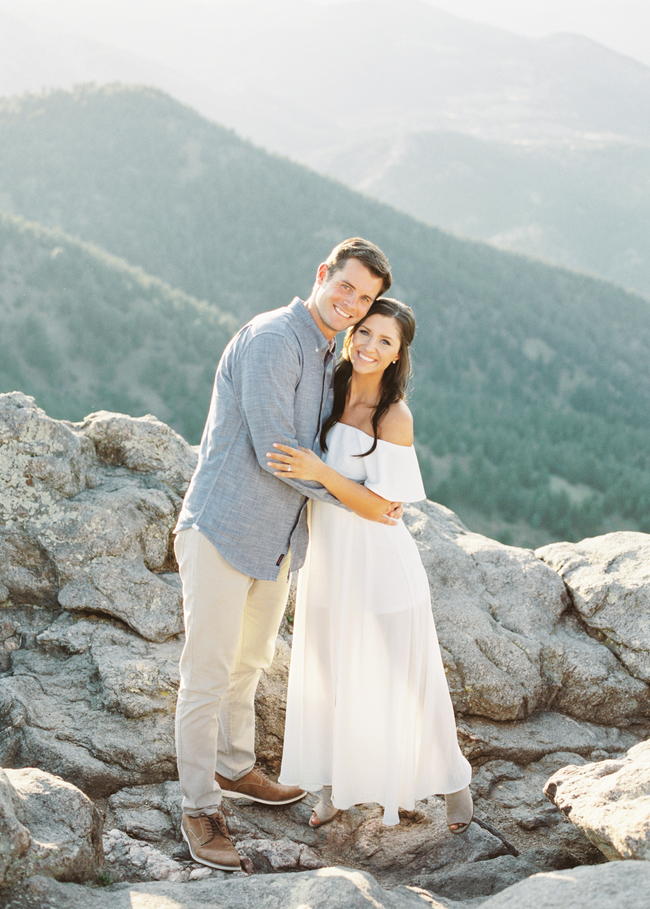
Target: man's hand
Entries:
(393, 514)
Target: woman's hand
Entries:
(303, 464)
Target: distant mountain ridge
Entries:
(293, 79)
(532, 384)
(581, 207)
(538, 113)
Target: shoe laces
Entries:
(218, 824)
(262, 772)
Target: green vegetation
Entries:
(583, 207)
(84, 331)
(532, 384)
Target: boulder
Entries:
(93, 703)
(47, 826)
(82, 532)
(325, 888)
(91, 633)
(512, 641)
(142, 444)
(608, 579)
(609, 801)
(542, 733)
(620, 885)
(129, 859)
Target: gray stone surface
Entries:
(129, 859)
(609, 801)
(143, 444)
(47, 826)
(620, 885)
(542, 733)
(513, 642)
(608, 578)
(80, 534)
(541, 674)
(93, 703)
(325, 888)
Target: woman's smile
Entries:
(375, 344)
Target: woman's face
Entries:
(374, 345)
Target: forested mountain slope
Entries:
(84, 331)
(532, 386)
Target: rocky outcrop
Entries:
(47, 826)
(327, 888)
(608, 580)
(544, 668)
(624, 885)
(609, 801)
(513, 639)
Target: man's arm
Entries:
(265, 382)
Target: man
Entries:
(241, 530)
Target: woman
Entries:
(369, 717)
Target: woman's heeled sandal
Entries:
(324, 810)
(323, 813)
(460, 810)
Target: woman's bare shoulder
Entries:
(397, 425)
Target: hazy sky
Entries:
(623, 25)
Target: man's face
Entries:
(344, 297)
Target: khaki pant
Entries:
(231, 623)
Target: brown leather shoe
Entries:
(209, 842)
(257, 786)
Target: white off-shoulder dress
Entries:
(368, 707)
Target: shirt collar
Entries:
(314, 333)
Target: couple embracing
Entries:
(369, 717)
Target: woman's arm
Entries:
(304, 464)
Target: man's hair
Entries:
(367, 253)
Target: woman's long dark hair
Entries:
(395, 378)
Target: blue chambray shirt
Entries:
(273, 384)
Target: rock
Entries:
(609, 802)
(125, 589)
(73, 696)
(512, 642)
(91, 633)
(623, 885)
(269, 856)
(151, 813)
(142, 444)
(608, 578)
(270, 708)
(542, 733)
(72, 699)
(80, 533)
(47, 827)
(326, 888)
(128, 859)
(413, 851)
(510, 798)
